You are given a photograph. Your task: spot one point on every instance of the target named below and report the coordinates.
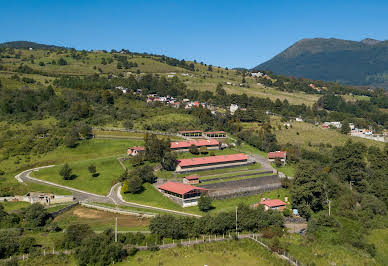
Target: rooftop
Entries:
(138, 148)
(213, 159)
(215, 132)
(277, 154)
(198, 143)
(192, 177)
(273, 203)
(179, 188)
(189, 131)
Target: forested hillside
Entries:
(348, 62)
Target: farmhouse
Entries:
(282, 155)
(211, 162)
(275, 204)
(135, 150)
(182, 146)
(190, 133)
(191, 179)
(215, 134)
(184, 194)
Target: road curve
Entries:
(113, 196)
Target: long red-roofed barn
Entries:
(183, 146)
(184, 194)
(211, 162)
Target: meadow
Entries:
(241, 252)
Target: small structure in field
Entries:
(191, 179)
(135, 150)
(215, 134)
(275, 204)
(184, 194)
(211, 162)
(191, 133)
(40, 197)
(282, 155)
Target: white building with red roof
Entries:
(275, 204)
(184, 194)
(135, 150)
(282, 155)
(211, 162)
(191, 179)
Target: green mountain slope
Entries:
(27, 45)
(349, 62)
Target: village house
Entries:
(215, 134)
(211, 162)
(282, 155)
(190, 133)
(275, 204)
(183, 194)
(135, 150)
(233, 108)
(332, 124)
(191, 179)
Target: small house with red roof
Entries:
(211, 162)
(184, 194)
(135, 150)
(191, 179)
(275, 204)
(282, 155)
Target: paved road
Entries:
(114, 195)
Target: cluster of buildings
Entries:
(367, 133)
(39, 197)
(332, 124)
(311, 85)
(174, 102)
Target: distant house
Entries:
(190, 133)
(135, 150)
(233, 108)
(215, 134)
(275, 204)
(298, 119)
(183, 194)
(191, 179)
(282, 155)
(332, 124)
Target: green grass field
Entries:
(379, 237)
(241, 252)
(12, 206)
(108, 170)
(288, 169)
(217, 172)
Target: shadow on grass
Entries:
(95, 174)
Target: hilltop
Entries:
(344, 61)
(28, 45)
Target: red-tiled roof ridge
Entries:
(138, 148)
(192, 177)
(214, 132)
(273, 203)
(188, 143)
(179, 188)
(189, 131)
(213, 159)
(275, 154)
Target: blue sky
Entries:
(222, 33)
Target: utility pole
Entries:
(350, 184)
(236, 219)
(329, 201)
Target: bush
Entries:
(205, 203)
(65, 172)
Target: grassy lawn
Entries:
(16, 205)
(235, 178)
(232, 174)
(288, 169)
(127, 208)
(100, 220)
(151, 196)
(108, 170)
(241, 252)
(379, 237)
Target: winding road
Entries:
(114, 196)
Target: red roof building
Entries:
(185, 145)
(282, 155)
(191, 179)
(275, 204)
(135, 150)
(184, 194)
(211, 161)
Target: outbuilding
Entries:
(135, 150)
(282, 155)
(191, 179)
(184, 194)
(275, 204)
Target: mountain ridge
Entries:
(330, 59)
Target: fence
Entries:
(64, 209)
(244, 191)
(135, 131)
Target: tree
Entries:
(205, 203)
(124, 188)
(65, 172)
(145, 173)
(85, 130)
(193, 149)
(345, 129)
(203, 149)
(74, 235)
(278, 162)
(92, 169)
(135, 184)
(35, 215)
(169, 161)
(70, 140)
(62, 62)
(128, 124)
